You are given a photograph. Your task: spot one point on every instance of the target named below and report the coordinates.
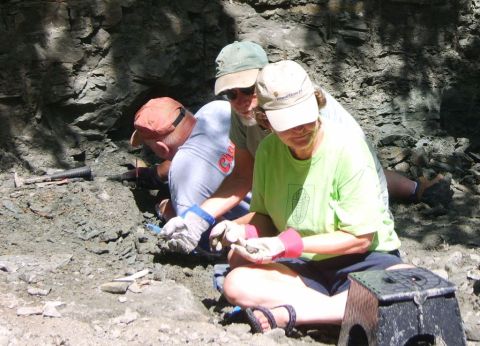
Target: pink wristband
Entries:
(293, 243)
(251, 231)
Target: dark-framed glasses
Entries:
(232, 94)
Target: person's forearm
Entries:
(262, 222)
(234, 188)
(162, 170)
(230, 193)
(337, 243)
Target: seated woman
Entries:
(319, 187)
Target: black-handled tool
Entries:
(79, 172)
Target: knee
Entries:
(235, 287)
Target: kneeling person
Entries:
(197, 154)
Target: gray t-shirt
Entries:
(204, 160)
(246, 137)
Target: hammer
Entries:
(80, 172)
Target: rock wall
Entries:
(75, 71)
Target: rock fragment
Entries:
(103, 196)
(432, 241)
(8, 267)
(97, 248)
(128, 317)
(49, 310)
(472, 332)
(34, 291)
(442, 273)
(29, 310)
(29, 278)
(117, 287)
(134, 276)
(135, 288)
(10, 206)
(476, 288)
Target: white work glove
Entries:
(182, 233)
(224, 234)
(288, 244)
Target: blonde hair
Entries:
(321, 99)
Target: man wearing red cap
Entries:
(194, 165)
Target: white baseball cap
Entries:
(286, 93)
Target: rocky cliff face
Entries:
(74, 72)
(72, 75)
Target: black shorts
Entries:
(330, 276)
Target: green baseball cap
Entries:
(237, 65)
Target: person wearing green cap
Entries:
(237, 67)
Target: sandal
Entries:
(257, 327)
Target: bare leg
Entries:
(273, 285)
(399, 187)
(433, 192)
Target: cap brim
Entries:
(136, 139)
(242, 79)
(296, 115)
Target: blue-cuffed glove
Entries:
(182, 233)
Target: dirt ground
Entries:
(61, 247)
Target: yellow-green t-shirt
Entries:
(337, 189)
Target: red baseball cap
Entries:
(156, 120)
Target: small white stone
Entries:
(128, 317)
(473, 275)
(55, 303)
(475, 257)
(164, 328)
(104, 196)
(441, 272)
(29, 310)
(50, 310)
(38, 291)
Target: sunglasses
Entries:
(232, 94)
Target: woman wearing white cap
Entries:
(316, 212)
